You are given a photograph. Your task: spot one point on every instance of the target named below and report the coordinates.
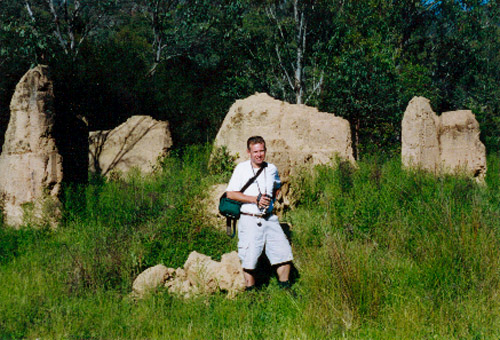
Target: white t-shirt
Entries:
(267, 180)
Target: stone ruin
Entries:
(37, 141)
(137, 143)
(296, 135)
(30, 164)
(445, 144)
(200, 275)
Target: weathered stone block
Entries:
(295, 134)
(449, 143)
(137, 143)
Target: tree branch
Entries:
(30, 12)
(57, 31)
(153, 68)
(290, 82)
(300, 25)
(317, 87)
(273, 17)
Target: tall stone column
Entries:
(420, 125)
(30, 164)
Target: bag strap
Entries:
(230, 221)
(250, 181)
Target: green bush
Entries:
(222, 163)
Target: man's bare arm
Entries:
(241, 197)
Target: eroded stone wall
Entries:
(448, 143)
(295, 134)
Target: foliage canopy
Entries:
(188, 60)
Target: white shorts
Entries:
(252, 239)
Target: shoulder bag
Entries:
(231, 208)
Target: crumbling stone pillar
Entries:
(30, 164)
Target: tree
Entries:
(178, 27)
(70, 22)
(294, 50)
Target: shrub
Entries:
(222, 163)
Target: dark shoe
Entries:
(285, 284)
(250, 288)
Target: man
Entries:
(258, 227)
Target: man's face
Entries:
(257, 153)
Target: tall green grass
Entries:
(400, 254)
(381, 252)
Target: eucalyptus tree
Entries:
(292, 46)
(361, 82)
(290, 19)
(69, 22)
(179, 28)
(18, 41)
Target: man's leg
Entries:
(249, 277)
(278, 251)
(283, 272)
(250, 245)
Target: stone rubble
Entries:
(200, 275)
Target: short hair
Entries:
(255, 140)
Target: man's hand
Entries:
(264, 201)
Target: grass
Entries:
(381, 252)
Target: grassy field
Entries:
(381, 253)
